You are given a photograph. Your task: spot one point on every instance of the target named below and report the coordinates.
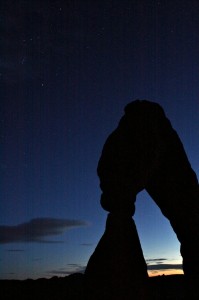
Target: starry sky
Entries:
(67, 70)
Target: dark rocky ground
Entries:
(75, 287)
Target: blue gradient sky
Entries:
(68, 68)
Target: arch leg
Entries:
(117, 267)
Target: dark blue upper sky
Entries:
(68, 68)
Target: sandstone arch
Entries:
(144, 152)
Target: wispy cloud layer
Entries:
(70, 269)
(15, 250)
(161, 264)
(155, 260)
(165, 267)
(36, 230)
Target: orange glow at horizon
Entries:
(164, 272)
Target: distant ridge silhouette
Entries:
(143, 152)
(73, 287)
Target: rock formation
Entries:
(117, 269)
(144, 152)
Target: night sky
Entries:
(68, 68)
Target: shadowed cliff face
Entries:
(145, 152)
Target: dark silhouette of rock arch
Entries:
(144, 152)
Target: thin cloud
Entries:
(73, 268)
(157, 264)
(155, 259)
(36, 230)
(164, 267)
(15, 250)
